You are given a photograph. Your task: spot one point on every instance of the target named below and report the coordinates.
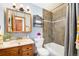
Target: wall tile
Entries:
(47, 30)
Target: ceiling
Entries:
(48, 6)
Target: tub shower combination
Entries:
(55, 49)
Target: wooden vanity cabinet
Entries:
(25, 50)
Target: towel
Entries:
(77, 36)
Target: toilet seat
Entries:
(43, 52)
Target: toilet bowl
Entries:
(40, 50)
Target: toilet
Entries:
(39, 45)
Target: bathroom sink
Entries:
(14, 43)
(24, 41)
(10, 44)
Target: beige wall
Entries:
(47, 30)
(58, 29)
(54, 25)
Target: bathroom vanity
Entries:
(25, 47)
(19, 22)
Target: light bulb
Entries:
(21, 5)
(27, 7)
(14, 5)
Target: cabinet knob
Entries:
(27, 48)
(27, 53)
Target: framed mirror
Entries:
(17, 21)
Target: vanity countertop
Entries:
(14, 43)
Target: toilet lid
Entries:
(43, 52)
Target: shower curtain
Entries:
(70, 30)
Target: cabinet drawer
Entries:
(27, 47)
(27, 53)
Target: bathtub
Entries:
(55, 49)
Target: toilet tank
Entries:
(39, 42)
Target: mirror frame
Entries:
(7, 10)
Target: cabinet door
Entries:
(27, 50)
(13, 51)
(27, 47)
(28, 23)
(9, 52)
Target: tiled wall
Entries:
(58, 31)
(54, 25)
(47, 30)
(58, 23)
